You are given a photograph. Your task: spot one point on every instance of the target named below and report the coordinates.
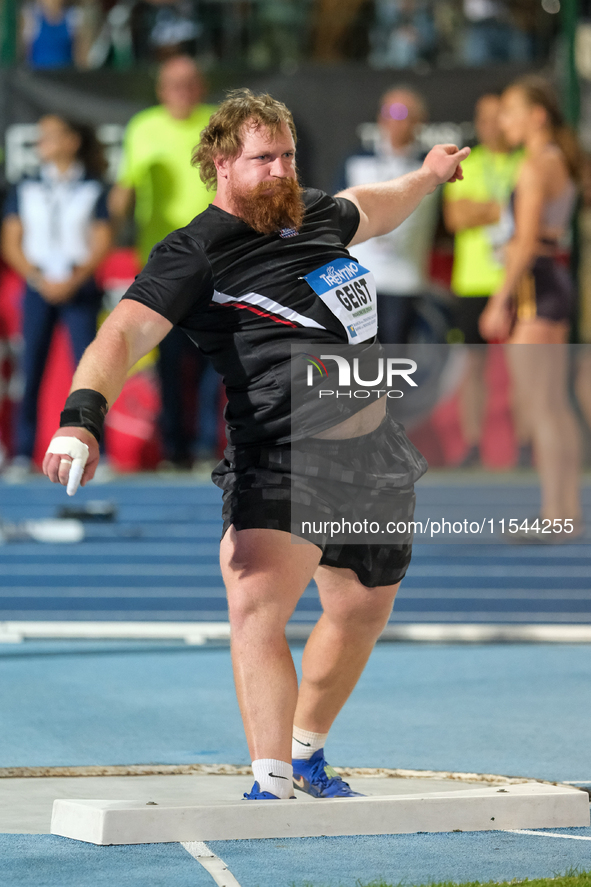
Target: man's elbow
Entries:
(114, 338)
(119, 202)
(451, 224)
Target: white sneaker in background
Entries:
(104, 472)
(19, 470)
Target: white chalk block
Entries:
(529, 805)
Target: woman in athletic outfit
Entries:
(534, 304)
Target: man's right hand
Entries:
(443, 163)
(57, 465)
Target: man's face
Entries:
(180, 87)
(265, 157)
(400, 117)
(262, 184)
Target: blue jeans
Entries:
(182, 369)
(39, 320)
(396, 315)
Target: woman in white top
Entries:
(55, 233)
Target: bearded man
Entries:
(241, 281)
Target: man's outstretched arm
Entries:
(385, 205)
(129, 333)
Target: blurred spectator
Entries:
(333, 21)
(54, 35)
(404, 33)
(491, 35)
(476, 211)
(162, 29)
(112, 42)
(282, 33)
(399, 260)
(583, 368)
(55, 233)
(156, 173)
(535, 301)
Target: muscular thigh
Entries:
(344, 598)
(264, 567)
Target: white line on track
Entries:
(155, 624)
(523, 831)
(216, 867)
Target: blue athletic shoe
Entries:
(317, 778)
(257, 795)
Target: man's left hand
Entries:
(443, 162)
(58, 293)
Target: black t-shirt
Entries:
(241, 297)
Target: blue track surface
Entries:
(407, 859)
(48, 861)
(516, 710)
(159, 561)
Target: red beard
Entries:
(270, 206)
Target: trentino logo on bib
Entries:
(349, 291)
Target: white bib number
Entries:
(349, 291)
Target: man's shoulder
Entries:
(202, 113)
(147, 118)
(157, 116)
(180, 254)
(209, 227)
(317, 200)
(213, 224)
(313, 195)
(188, 235)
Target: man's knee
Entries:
(258, 605)
(367, 615)
(355, 607)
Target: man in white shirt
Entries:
(399, 260)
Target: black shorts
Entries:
(466, 314)
(258, 488)
(547, 291)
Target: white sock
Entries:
(304, 744)
(274, 776)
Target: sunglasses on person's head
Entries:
(394, 111)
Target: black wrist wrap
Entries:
(85, 408)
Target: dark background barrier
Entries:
(328, 102)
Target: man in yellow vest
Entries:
(475, 211)
(156, 175)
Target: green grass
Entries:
(571, 878)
